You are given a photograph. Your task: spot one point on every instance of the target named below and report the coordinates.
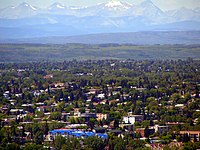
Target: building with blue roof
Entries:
(75, 133)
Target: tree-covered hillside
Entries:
(62, 52)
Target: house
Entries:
(101, 116)
(28, 136)
(88, 116)
(179, 105)
(13, 102)
(133, 118)
(59, 85)
(64, 116)
(101, 96)
(4, 109)
(150, 131)
(93, 91)
(76, 112)
(16, 111)
(127, 127)
(75, 126)
(7, 94)
(37, 93)
(95, 103)
(37, 119)
(99, 130)
(43, 108)
(192, 135)
(27, 107)
(18, 95)
(49, 76)
(141, 131)
(117, 133)
(113, 101)
(174, 123)
(112, 124)
(156, 146)
(103, 102)
(161, 129)
(6, 121)
(39, 104)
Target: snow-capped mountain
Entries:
(21, 11)
(117, 5)
(112, 16)
(147, 10)
(112, 9)
(56, 6)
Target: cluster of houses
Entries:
(127, 124)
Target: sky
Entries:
(163, 4)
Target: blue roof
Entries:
(89, 133)
(102, 135)
(78, 133)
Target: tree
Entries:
(116, 143)
(55, 116)
(167, 147)
(72, 144)
(120, 145)
(38, 137)
(46, 127)
(12, 146)
(33, 146)
(94, 143)
(189, 146)
(59, 142)
(167, 138)
(91, 123)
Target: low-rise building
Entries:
(141, 131)
(74, 133)
(161, 129)
(133, 118)
(101, 116)
(88, 116)
(127, 127)
(191, 135)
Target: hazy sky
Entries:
(163, 4)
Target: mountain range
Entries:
(27, 21)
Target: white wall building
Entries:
(132, 119)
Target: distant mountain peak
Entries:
(26, 5)
(57, 5)
(115, 4)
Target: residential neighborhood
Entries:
(114, 104)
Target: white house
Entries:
(132, 119)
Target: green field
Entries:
(53, 52)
